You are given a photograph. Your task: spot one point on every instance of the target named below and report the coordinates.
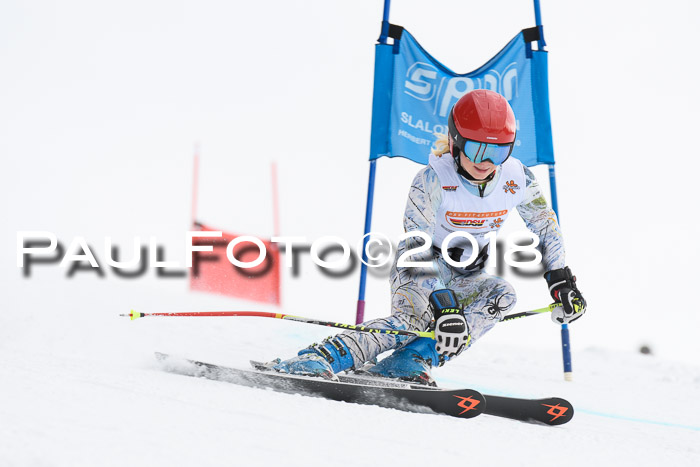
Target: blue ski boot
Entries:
(411, 362)
(324, 360)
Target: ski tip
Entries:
(559, 411)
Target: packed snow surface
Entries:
(94, 394)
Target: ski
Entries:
(462, 403)
(550, 410)
(383, 392)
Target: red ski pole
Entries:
(262, 314)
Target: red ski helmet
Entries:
(485, 117)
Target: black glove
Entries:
(451, 329)
(562, 287)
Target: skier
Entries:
(473, 191)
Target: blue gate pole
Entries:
(360, 313)
(565, 342)
(538, 22)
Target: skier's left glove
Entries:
(562, 287)
(451, 328)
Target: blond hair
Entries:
(441, 145)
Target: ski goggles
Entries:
(478, 152)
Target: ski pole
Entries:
(523, 314)
(300, 319)
(261, 314)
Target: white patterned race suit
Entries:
(441, 202)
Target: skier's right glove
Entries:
(451, 328)
(562, 287)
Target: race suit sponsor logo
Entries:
(510, 186)
(472, 220)
(496, 224)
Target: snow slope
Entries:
(59, 410)
(82, 388)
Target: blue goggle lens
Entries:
(482, 152)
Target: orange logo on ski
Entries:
(556, 411)
(467, 400)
